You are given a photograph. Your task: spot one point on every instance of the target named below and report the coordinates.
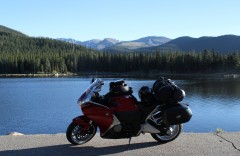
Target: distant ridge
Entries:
(223, 44)
(13, 41)
(116, 45)
(4, 29)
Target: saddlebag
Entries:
(165, 91)
(177, 114)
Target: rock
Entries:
(15, 134)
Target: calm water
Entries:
(47, 105)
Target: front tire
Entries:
(78, 136)
(176, 130)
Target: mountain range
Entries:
(222, 44)
(114, 44)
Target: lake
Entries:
(47, 105)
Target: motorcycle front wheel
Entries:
(174, 132)
(78, 136)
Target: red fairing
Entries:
(99, 114)
(124, 103)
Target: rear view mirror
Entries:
(93, 79)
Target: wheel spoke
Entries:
(171, 134)
(77, 135)
(82, 138)
(175, 131)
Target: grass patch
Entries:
(219, 130)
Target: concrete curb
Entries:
(185, 144)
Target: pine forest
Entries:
(20, 54)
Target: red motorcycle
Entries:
(118, 114)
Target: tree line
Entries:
(77, 61)
(20, 54)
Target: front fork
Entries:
(84, 121)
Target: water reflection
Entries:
(224, 90)
(215, 104)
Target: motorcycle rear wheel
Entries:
(176, 130)
(76, 136)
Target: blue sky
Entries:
(121, 19)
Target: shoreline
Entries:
(124, 75)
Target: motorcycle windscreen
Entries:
(177, 114)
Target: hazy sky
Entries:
(121, 19)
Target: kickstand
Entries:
(129, 140)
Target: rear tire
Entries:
(176, 130)
(76, 136)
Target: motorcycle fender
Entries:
(82, 120)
